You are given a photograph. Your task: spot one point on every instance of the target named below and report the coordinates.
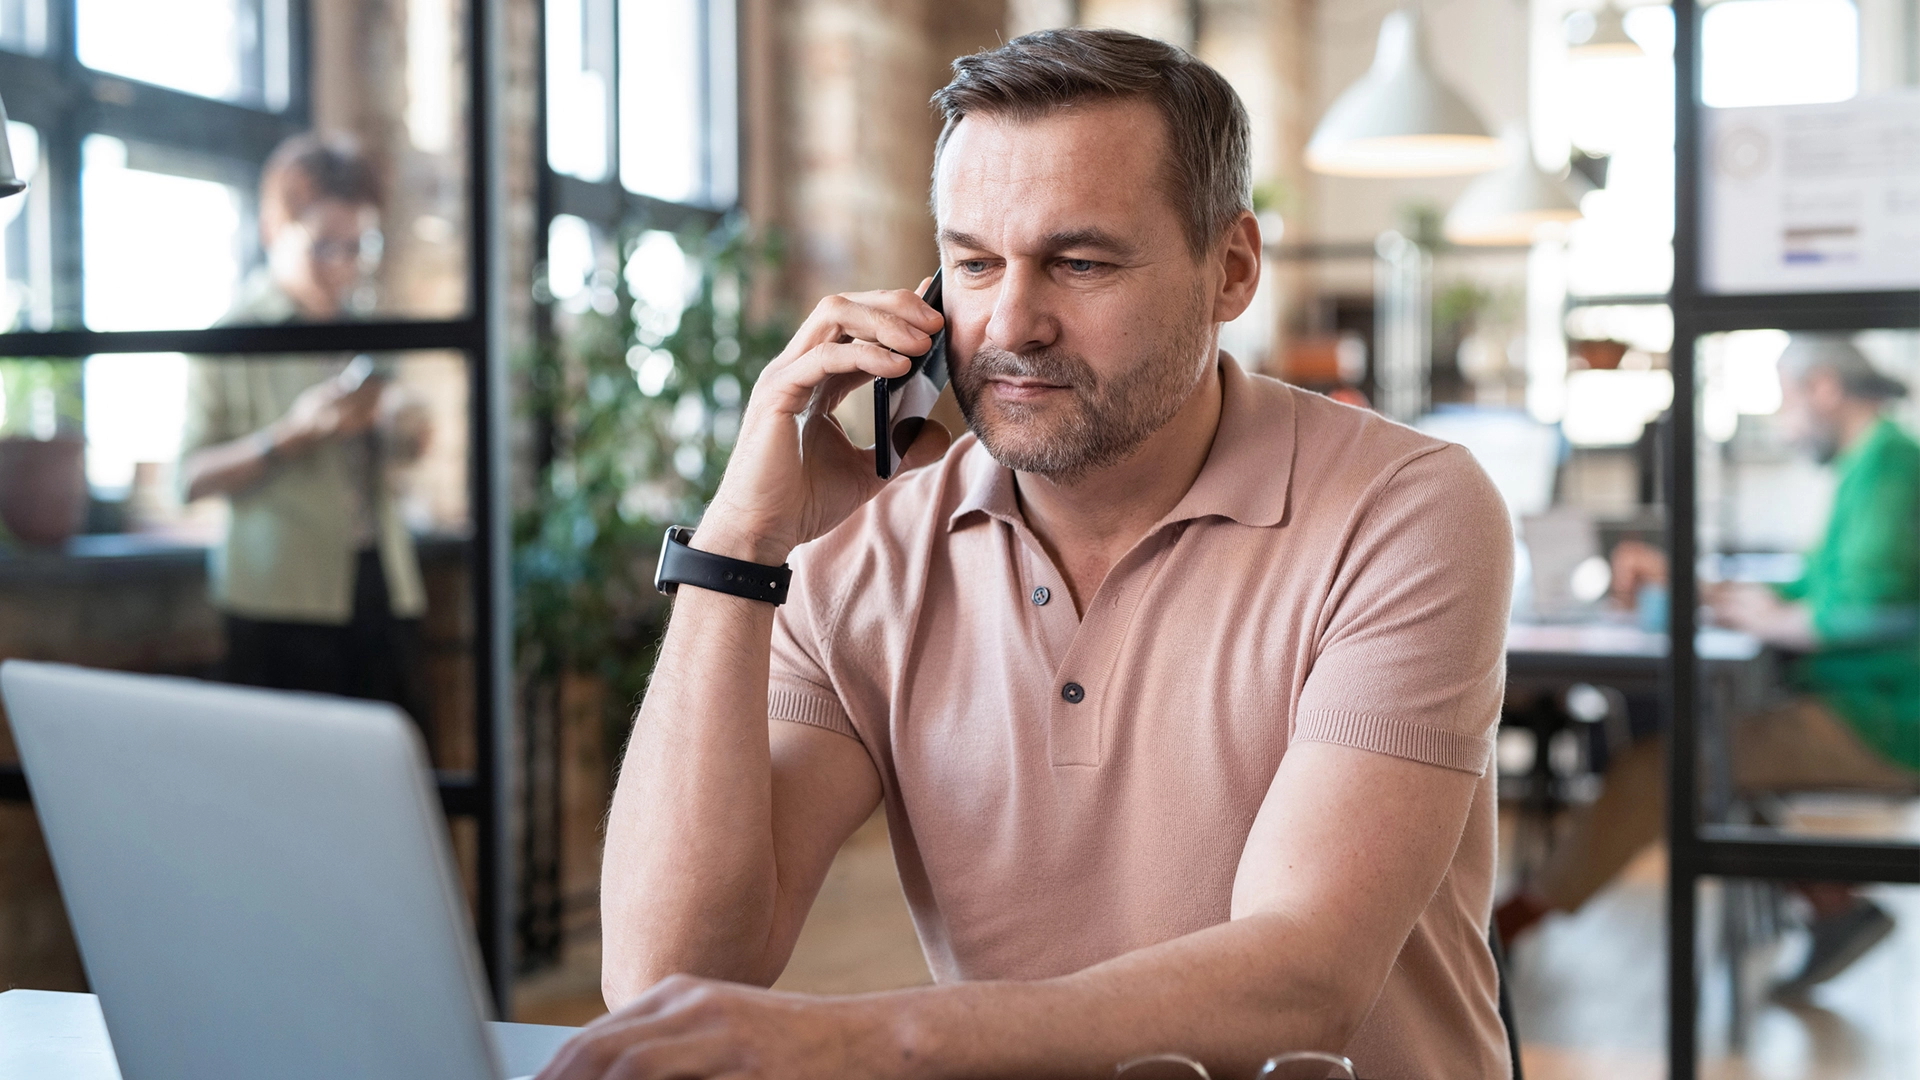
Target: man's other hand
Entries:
(1758, 610)
(686, 1028)
(794, 474)
(1636, 564)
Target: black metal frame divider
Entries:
(67, 101)
(1697, 849)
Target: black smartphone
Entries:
(901, 405)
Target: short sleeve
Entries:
(799, 687)
(207, 408)
(1411, 657)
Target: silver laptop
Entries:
(261, 883)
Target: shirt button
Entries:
(1041, 595)
(1074, 693)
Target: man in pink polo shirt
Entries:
(1178, 684)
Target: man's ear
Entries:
(1238, 257)
(1825, 389)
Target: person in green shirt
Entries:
(1851, 622)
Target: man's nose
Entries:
(1022, 319)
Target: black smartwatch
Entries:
(682, 565)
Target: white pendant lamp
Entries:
(1511, 204)
(10, 182)
(1602, 32)
(1399, 119)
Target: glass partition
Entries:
(1779, 52)
(296, 522)
(1765, 1009)
(240, 162)
(1809, 578)
(1807, 145)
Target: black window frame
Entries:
(66, 101)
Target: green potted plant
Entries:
(638, 400)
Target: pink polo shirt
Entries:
(1063, 789)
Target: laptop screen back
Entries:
(260, 883)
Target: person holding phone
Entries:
(1178, 685)
(316, 576)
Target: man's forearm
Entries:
(689, 878)
(1230, 996)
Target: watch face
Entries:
(675, 535)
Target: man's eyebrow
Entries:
(955, 238)
(1098, 239)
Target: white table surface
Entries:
(1603, 638)
(52, 1036)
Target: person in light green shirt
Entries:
(1851, 622)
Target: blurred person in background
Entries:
(1853, 622)
(317, 574)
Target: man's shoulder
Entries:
(1344, 450)
(1899, 450)
(1882, 470)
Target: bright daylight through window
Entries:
(1620, 104)
(231, 50)
(660, 99)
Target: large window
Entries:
(643, 93)
(230, 50)
(642, 130)
(642, 133)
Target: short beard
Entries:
(1823, 447)
(1820, 442)
(1108, 421)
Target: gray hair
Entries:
(1209, 167)
(1836, 353)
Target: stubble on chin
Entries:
(1100, 423)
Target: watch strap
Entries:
(683, 565)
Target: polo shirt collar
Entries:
(1245, 478)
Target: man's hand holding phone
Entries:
(794, 474)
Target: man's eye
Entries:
(974, 266)
(1081, 266)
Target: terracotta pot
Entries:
(1600, 355)
(43, 489)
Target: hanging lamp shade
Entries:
(10, 182)
(1511, 203)
(1599, 33)
(1399, 119)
